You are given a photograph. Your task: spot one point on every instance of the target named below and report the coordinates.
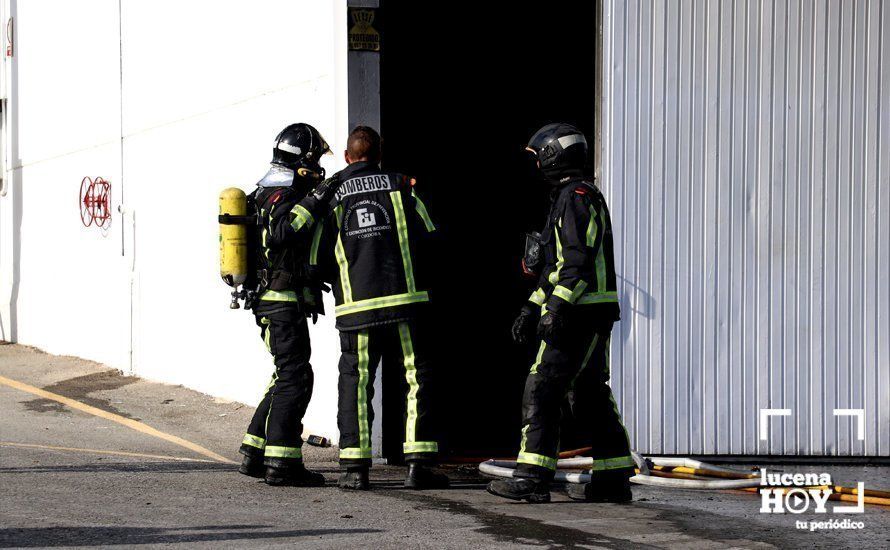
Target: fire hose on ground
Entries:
(676, 473)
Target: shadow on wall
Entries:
(633, 301)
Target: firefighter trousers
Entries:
(572, 378)
(275, 431)
(402, 346)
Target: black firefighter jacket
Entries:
(368, 248)
(578, 250)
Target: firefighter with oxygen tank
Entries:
(265, 238)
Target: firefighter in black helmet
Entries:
(288, 201)
(368, 250)
(571, 313)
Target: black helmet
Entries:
(300, 147)
(560, 150)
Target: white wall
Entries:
(747, 166)
(202, 88)
(64, 125)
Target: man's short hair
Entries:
(364, 143)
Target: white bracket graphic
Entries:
(860, 502)
(764, 420)
(860, 420)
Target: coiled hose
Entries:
(677, 473)
(647, 475)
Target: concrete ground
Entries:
(70, 478)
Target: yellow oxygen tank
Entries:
(233, 237)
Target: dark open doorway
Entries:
(464, 85)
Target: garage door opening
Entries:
(464, 85)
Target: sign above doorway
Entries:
(365, 29)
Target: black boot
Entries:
(293, 475)
(420, 477)
(535, 491)
(354, 480)
(614, 490)
(252, 466)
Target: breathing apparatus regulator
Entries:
(295, 158)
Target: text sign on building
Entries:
(364, 29)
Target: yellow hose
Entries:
(703, 472)
(868, 492)
(839, 493)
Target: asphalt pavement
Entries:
(102, 459)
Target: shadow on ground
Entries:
(32, 537)
(172, 467)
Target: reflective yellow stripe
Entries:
(253, 441)
(532, 458)
(424, 215)
(345, 287)
(283, 452)
(570, 296)
(611, 395)
(553, 278)
(301, 217)
(267, 339)
(539, 357)
(523, 440)
(316, 241)
(411, 377)
(593, 342)
(279, 296)
(354, 452)
(578, 291)
(560, 260)
(402, 228)
(592, 228)
(344, 271)
(537, 460)
(538, 297)
(377, 303)
(562, 292)
(597, 298)
(600, 265)
(420, 447)
(364, 435)
(264, 234)
(613, 463)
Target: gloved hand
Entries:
(550, 328)
(524, 325)
(325, 190)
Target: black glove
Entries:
(325, 190)
(524, 325)
(550, 328)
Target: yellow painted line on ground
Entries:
(99, 451)
(130, 423)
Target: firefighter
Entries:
(368, 250)
(571, 313)
(288, 201)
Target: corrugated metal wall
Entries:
(747, 164)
